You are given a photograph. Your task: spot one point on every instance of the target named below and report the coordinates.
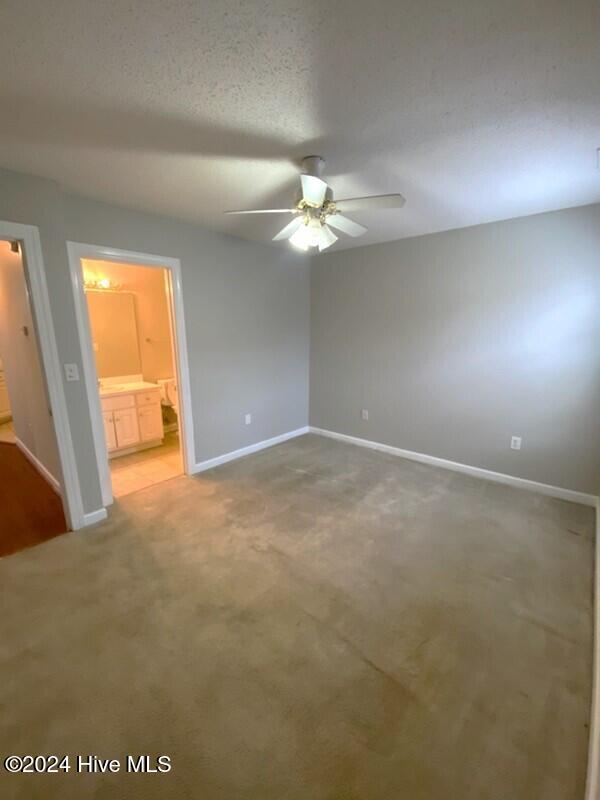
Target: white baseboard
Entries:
(44, 472)
(592, 789)
(92, 517)
(202, 466)
(477, 472)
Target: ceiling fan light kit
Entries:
(312, 233)
(316, 212)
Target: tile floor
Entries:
(140, 470)
(7, 432)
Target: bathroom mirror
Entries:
(114, 333)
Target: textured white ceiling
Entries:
(475, 110)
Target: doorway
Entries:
(130, 317)
(134, 357)
(30, 466)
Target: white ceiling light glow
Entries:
(313, 233)
(300, 238)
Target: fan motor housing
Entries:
(313, 165)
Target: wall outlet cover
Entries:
(248, 419)
(515, 443)
(364, 414)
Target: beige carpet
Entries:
(313, 622)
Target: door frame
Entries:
(35, 273)
(76, 251)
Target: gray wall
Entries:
(34, 201)
(458, 340)
(453, 341)
(247, 314)
(246, 306)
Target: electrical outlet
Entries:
(248, 419)
(71, 372)
(515, 443)
(364, 414)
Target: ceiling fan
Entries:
(316, 212)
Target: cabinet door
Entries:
(109, 430)
(126, 427)
(151, 424)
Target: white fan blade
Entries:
(289, 229)
(369, 203)
(264, 211)
(313, 190)
(326, 238)
(345, 225)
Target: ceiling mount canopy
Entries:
(316, 212)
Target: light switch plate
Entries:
(71, 372)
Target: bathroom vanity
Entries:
(132, 416)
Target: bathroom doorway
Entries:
(135, 362)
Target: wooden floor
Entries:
(31, 511)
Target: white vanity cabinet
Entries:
(127, 429)
(132, 420)
(109, 430)
(150, 421)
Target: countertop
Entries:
(127, 388)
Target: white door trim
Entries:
(77, 251)
(36, 273)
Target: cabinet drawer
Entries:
(147, 398)
(113, 403)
